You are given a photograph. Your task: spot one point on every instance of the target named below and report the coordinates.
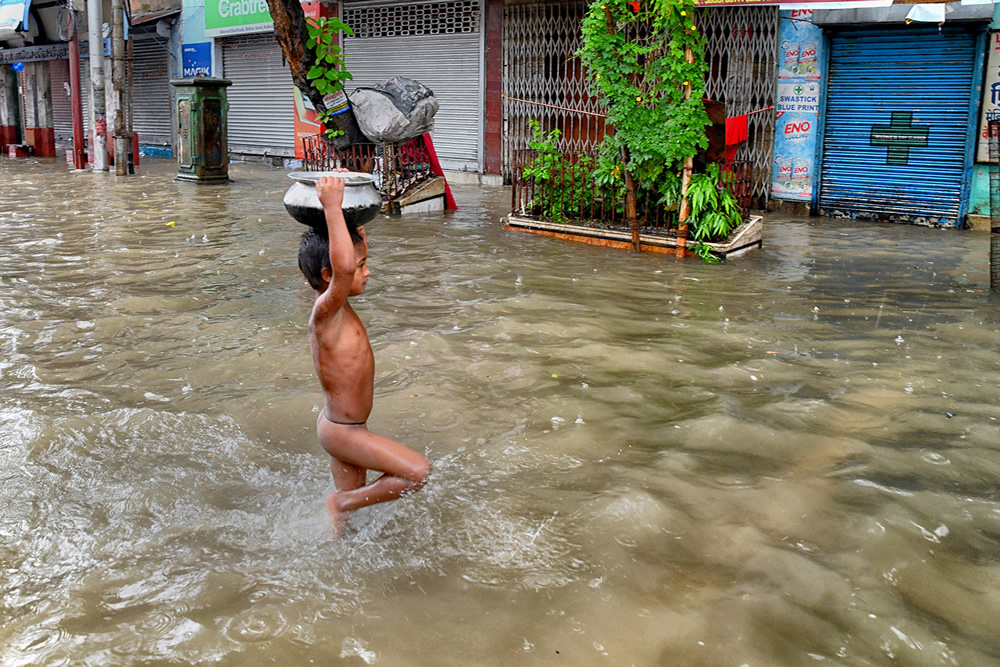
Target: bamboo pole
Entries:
(685, 212)
(631, 215)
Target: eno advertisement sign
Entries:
(797, 106)
(236, 17)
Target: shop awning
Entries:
(13, 17)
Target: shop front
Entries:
(878, 114)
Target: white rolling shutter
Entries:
(152, 94)
(438, 44)
(261, 99)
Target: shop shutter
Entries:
(152, 95)
(897, 133)
(438, 44)
(261, 99)
(62, 106)
(85, 91)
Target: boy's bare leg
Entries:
(346, 477)
(356, 447)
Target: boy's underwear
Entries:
(334, 421)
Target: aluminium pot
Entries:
(362, 201)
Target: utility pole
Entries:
(118, 82)
(98, 104)
(76, 100)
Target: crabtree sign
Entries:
(236, 17)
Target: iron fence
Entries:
(571, 194)
(396, 167)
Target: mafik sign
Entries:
(236, 17)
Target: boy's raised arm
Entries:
(331, 194)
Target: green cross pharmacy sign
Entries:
(236, 17)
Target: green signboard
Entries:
(236, 17)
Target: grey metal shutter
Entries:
(261, 99)
(152, 94)
(438, 44)
(897, 137)
(85, 92)
(62, 106)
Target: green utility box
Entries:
(202, 147)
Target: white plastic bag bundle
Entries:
(395, 110)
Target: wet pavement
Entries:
(790, 457)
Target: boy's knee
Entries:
(420, 474)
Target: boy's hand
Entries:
(330, 190)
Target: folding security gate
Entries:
(541, 38)
(899, 125)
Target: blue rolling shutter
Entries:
(897, 125)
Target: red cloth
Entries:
(449, 201)
(736, 133)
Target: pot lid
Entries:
(350, 177)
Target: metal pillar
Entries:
(76, 98)
(98, 104)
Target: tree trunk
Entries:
(290, 30)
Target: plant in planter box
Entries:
(562, 186)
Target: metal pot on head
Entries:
(362, 201)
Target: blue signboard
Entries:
(197, 59)
(797, 106)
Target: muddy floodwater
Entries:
(790, 458)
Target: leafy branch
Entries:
(328, 73)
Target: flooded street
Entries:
(791, 457)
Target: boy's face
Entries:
(361, 270)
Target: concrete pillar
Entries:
(98, 102)
(110, 107)
(8, 108)
(39, 132)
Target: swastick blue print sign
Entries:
(797, 106)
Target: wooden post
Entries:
(685, 211)
(631, 215)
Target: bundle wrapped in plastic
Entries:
(398, 109)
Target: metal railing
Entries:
(396, 167)
(570, 194)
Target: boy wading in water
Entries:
(345, 364)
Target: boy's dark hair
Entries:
(314, 255)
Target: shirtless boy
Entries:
(346, 368)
